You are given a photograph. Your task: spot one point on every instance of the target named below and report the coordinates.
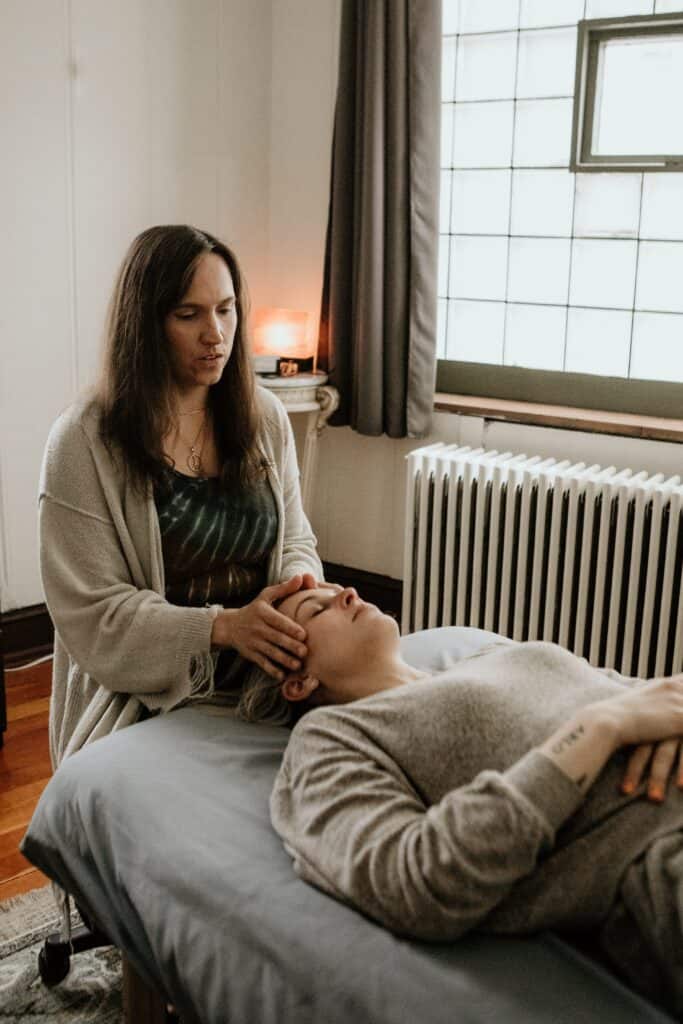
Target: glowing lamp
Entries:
(283, 341)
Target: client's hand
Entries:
(651, 719)
(262, 634)
(666, 760)
(648, 714)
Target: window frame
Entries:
(558, 387)
(590, 34)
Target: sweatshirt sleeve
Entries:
(617, 677)
(126, 636)
(357, 829)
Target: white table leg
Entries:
(328, 400)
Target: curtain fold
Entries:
(378, 315)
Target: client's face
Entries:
(345, 637)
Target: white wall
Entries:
(113, 117)
(358, 508)
(117, 116)
(304, 78)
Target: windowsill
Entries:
(568, 417)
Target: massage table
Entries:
(162, 834)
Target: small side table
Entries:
(309, 393)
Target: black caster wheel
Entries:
(53, 963)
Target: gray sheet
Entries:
(162, 832)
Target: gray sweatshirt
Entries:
(428, 807)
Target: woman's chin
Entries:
(389, 623)
(210, 374)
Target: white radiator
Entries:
(536, 549)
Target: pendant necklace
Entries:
(194, 459)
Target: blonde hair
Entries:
(262, 700)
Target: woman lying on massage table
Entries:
(499, 795)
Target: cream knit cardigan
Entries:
(119, 645)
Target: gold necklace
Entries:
(194, 459)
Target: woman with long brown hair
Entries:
(169, 508)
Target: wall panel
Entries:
(36, 311)
(244, 81)
(111, 137)
(114, 117)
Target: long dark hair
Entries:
(135, 383)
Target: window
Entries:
(629, 77)
(555, 286)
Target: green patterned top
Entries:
(216, 547)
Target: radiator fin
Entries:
(540, 549)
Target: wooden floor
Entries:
(24, 772)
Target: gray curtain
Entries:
(378, 317)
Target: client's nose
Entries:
(347, 595)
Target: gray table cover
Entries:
(162, 832)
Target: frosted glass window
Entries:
(543, 131)
(542, 203)
(607, 204)
(598, 341)
(450, 21)
(660, 277)
(662, 213)
(478, 268)
(539, 270)
(441, 329)
(445, 202)
(491, 16)
(541, 266)
(534, 337)
(481, 202)
(486, 67)
(603, 273)
(483, 134)
(448, 55)
(540, 13)
(617, 8)
(447, 119)
(546, 63)
(444, 250)
(475, 331)
(636, 81)
(657, 352)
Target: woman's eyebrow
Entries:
(198, 305)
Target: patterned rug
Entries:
(91, 991)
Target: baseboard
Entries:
(28, 633)
(384, 591)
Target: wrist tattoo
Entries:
(566, 741)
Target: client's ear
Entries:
(299, 686)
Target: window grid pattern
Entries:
(538, 267)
